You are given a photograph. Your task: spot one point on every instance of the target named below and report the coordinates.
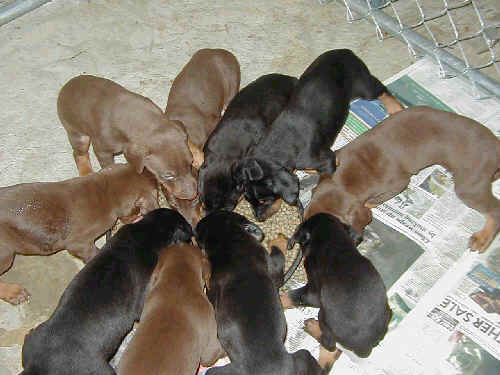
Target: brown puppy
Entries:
(98, 111)
(44, 218)
(199, 94)
(177, 330)
(378, 165)
(202, 90)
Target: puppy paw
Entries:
(281, 242)
(286, 302)
(480, 241)
(13, 293)
(311, 326)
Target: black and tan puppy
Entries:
(251, 111)
(102, 302)
(302, 135)
(350, 294)
(243, 288)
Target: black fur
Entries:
(344, 285)
(243, 288)
(250, 112)
(102, 302)
(301, 137)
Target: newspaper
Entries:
(445, 299)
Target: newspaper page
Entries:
(445, 300)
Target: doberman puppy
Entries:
(242, 126)
(177, 330)
(350, 294)
(243, 289)
(44, 218)
(102, 302)
(199, 94)
(378, 164)
(202, 90)
(302, 135)
(99, 111)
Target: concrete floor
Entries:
(141, 45)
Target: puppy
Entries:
(177, 329)
(102, 302)
(378, 164)
(98, 111)
(242, 126)
(243, 289)
(202, 90)
(350, 294)
(44, 218)
(199, 94)
(303, 133)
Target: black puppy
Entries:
(250, 112)
(348, 290)
(102, 302)
(243, 288)
(302, 135)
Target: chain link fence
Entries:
(461, 35)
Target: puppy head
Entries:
(264, 182)
(145, 192)
(168, 225)
(168, 154)
(221, 225)
(217, 189)
(192, 210)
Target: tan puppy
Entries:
(199, 94)
(378, 165)
(98, 111)
(177, 329)
(44, 218)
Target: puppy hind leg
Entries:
(276, 266)
(10, 292)
(81, 145)
(327, 359)
(481, 199)
(105, 158)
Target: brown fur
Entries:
(99, 111)
(378, 164)
(44, 218)
(199, 94)
(177, 330)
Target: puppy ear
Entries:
(254, 230)
(136, 156)
(246, 170)
(198, 156)
(286, 185)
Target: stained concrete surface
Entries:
(141, 45)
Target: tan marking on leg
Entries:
(311, 326)
(391, 104)
(326, 358)
(83, 164)
(286, 302)
(13, 293)
(370, 205)
(482, 239)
